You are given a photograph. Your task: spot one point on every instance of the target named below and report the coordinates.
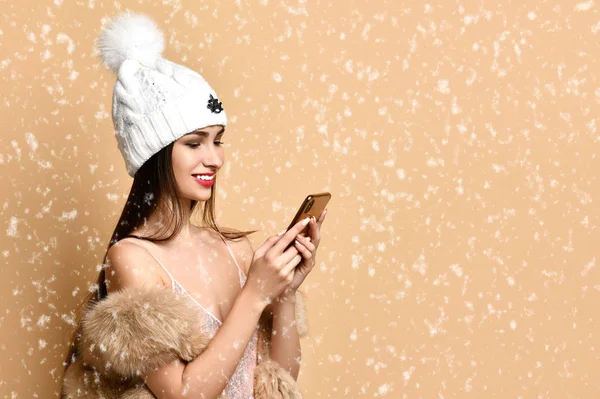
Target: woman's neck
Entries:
(156, 224)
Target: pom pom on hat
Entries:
(130, 36)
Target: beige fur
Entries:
(135, 331)
(271, 381)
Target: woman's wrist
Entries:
(286, 298)
(256, 303)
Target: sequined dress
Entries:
(241, 383)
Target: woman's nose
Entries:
(212, 156)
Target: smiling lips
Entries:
(206, 179)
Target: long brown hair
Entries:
(154, 189)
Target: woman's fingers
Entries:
(288, 254)
(268, 244)
(314, 230)
(289, 267)
(306, 253)
(306, 242)
(289, 236)
(322, 217)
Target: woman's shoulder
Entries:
(130, 264)
(241, 246)
(242, 249)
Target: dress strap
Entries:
(156, 259)
(241, 273)
(176, 285)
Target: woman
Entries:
(181, 310)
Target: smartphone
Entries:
(313, 205)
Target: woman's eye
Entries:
(194, 145)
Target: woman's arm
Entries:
(206, 376)
(285, 343)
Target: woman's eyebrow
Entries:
(203, 133)
(198, 133)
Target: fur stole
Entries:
(134, 331)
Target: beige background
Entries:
(459, 141)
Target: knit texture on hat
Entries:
(155, 101)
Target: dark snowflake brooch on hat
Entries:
(214, 105)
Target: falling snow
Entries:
(459, 142)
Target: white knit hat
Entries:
(155, 101)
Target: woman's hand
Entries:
(307, 247)
(272, 268)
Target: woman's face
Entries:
(196, 158)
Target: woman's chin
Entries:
(197, 194)
(200, 195)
